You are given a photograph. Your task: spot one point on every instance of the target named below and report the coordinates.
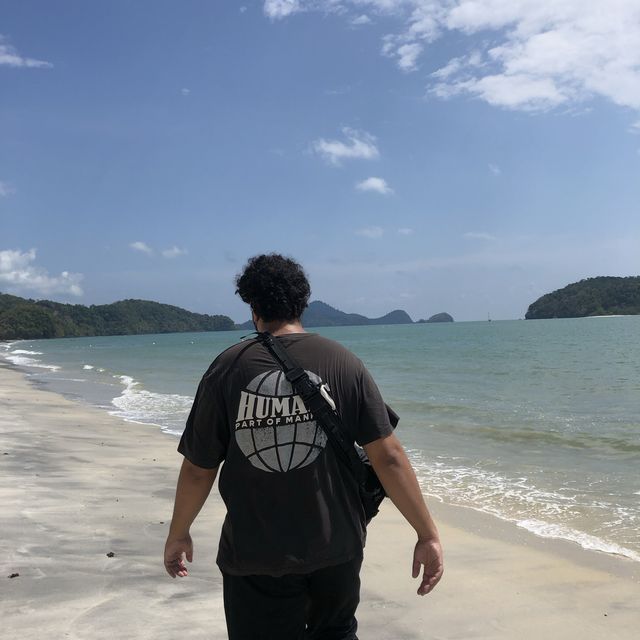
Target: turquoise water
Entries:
(535, 422)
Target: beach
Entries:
(87, 500)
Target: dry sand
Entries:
(78, 484)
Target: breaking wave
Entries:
(166, 410)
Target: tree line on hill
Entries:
(599, 296)
(320, 314)
(22, 318)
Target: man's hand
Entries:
(175, 551)
(194, 484)
(427, 553)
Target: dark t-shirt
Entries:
(292, 506)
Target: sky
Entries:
(465, 156)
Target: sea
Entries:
(535, 422)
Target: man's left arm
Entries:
(194, 486)
(399, 480)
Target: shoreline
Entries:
(32, 373)
(81, 483)
(462, 516)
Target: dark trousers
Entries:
(313, 606)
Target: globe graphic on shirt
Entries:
(273, 428)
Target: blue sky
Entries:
(432, 155)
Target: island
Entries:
(600, 296)
(22, 318)
(438, 317)
(320, 314)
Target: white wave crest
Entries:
(24, 361)
(586, 541)
(27, 353)
(516, 500)
(167, 410)
(88, 367)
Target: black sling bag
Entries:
(317, 399)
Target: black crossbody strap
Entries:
(317, 400)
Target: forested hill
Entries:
(592, 297)
(320, 314)
(30, 319)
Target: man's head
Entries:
(275, 287)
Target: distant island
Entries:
(601, 296)
(438, 317)
(22, 318)
(320, 314)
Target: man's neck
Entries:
(280, 327)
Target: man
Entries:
(291, 544)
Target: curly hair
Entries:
(275, 287)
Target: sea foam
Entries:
(166, 410)
(515, 500)
(21, 358)
(585, 540)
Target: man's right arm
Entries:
(194, 485)
(396, 474)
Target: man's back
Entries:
(292, 506)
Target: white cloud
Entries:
(361, 20)
(378, 185)
(533, 55)
(479, 235)
(281, 8)
(455, 65)
(277, 9)
(495, 169)
(171, 252)
(9, 57)
(143, 247)
(185, 92)
(6, 189)
(358, 145)
(370, 232)
(174, 252)
(18, 271)
(513, 92)
(407, 55)
(405, 231)
(553, 52)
